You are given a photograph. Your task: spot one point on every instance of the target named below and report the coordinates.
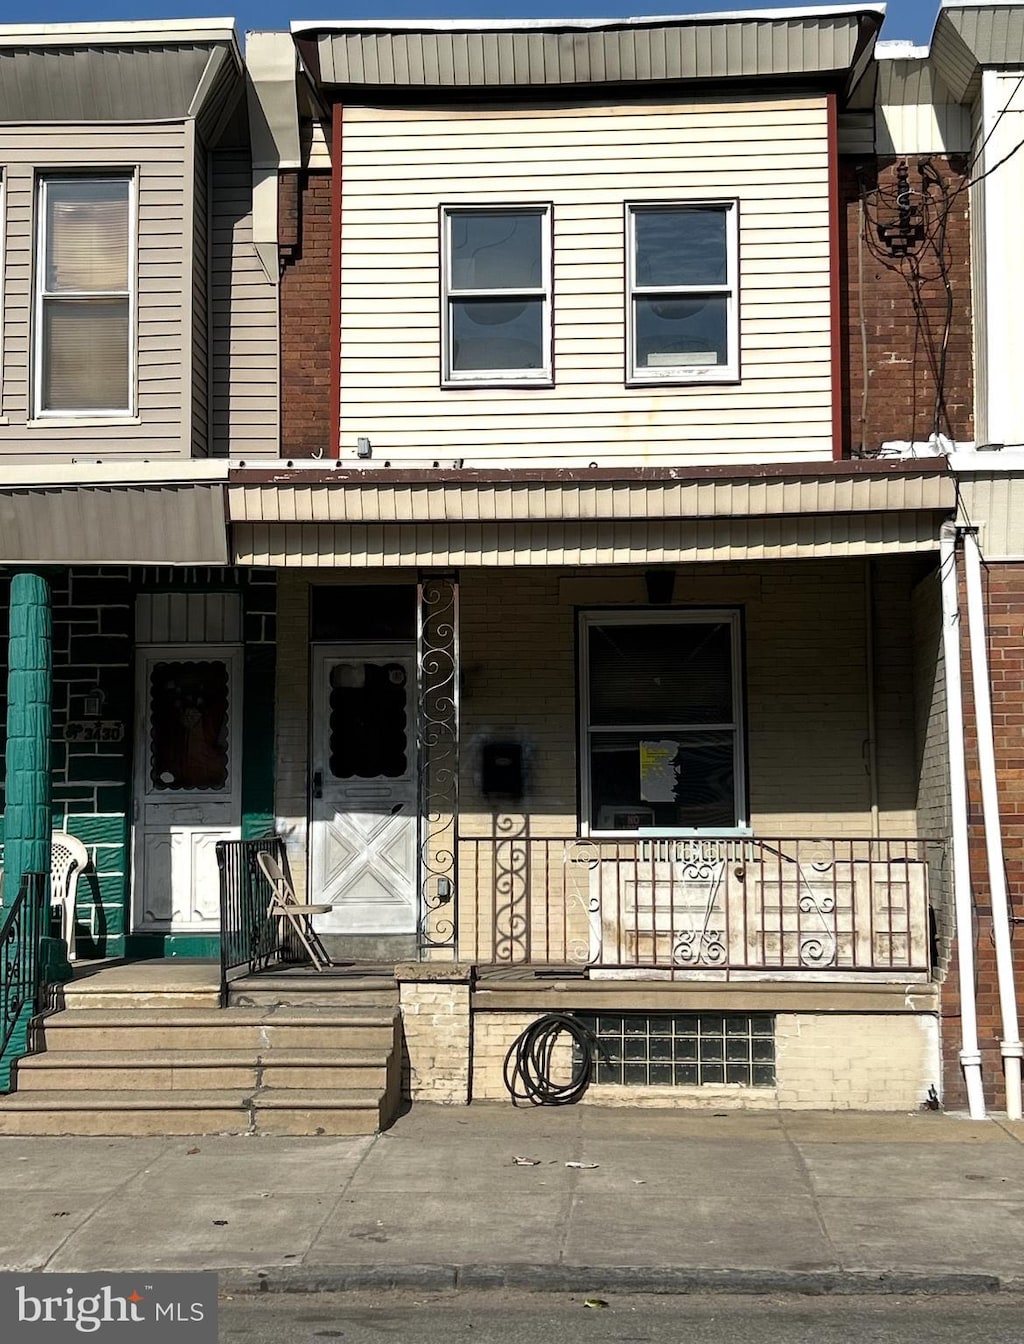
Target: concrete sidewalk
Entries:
(676, 1200)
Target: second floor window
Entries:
(84, 289)
(682, 302)
(497, 294)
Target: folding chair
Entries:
(285, 906)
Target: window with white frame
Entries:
(682, 301)
(84, 294)
(662, 742)
(497, 294)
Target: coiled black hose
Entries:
(528, 1062)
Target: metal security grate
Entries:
(663, 1049)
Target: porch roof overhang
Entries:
(154, 522)
(319, 518)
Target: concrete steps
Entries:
(300, 989)
(162, 1068)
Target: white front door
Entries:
(363, 831)
(187, 783)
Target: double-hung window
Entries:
(496, 265)
(84, 295)
(662, 742)
(681, 313)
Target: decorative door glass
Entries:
(368, 707)
(188, 703)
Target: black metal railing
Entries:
(250, 937)
(22, 925)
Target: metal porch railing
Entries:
(250, 938)
(707, 907)
(22, 925)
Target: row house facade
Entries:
(524, 469)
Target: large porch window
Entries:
(662, 746)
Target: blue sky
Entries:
(910, 19)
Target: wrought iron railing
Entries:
(250, 937)
(22, 925)
(702, 908)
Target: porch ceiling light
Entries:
(660, 584)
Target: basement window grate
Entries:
(682, 1050)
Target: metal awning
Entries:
(158, 524)
(345, 518)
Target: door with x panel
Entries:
(363, 823)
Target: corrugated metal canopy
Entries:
(466, 55)
(106, 82)
(349, 518)
(138, 524)
(969, 37)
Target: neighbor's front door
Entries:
(363, 831)
(187, 783)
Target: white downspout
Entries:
(1010, 1045)
(970, 1055)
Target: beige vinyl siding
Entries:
(244, 363)
(402, 164)
(159, 156)
(200, 306)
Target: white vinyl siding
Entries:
(244, 361)
(403, 164)
(156, 157)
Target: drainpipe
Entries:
(1010, 1045)
(970, 1055)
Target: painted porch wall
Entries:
(94, 645)
(400, 164)
(805, 679)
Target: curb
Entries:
(604, 1279)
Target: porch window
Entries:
(661, 733)
(681, 307)
(497, 294)
(84, 295)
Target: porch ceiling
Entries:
(470, 518)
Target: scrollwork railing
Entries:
(696, 906)
(437, 727)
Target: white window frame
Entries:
(40, 294)
(685, 373)
(542, 377)
(648, 616)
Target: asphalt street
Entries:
(540, 1318)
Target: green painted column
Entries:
(27, 817)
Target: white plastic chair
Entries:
(285, 906)
(68, 857)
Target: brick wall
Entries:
(896, 310)
(1003, 586)
(306, 371)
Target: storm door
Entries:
(187, 783)
(363, 828)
